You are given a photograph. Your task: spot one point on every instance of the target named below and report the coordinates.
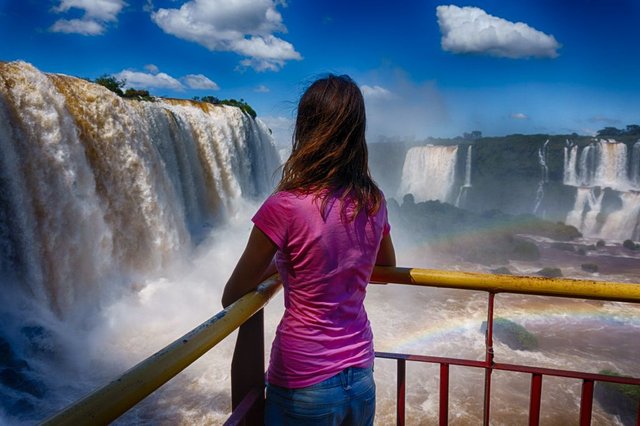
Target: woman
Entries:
(327, 226)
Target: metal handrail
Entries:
(106, 404)
(111, 401)
(541, 286)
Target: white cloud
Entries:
(77, 26)
(472, 30)
(199, 81)
(519, 116)
(262, 89)
(142, 80)
(97, 14)
(153, 69)
(375, 92)
(245, 27)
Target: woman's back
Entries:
(325, 261)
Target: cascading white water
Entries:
(624, 223)
(125, 180)
(570, 155)
(428, 172)
(544, 178)
(585, 210)
(462, 194)
(99, 195)
(634, 176)
(602, 164)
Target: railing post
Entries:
(401, 391)
(247, 367)
(488, 361)
(534, 399)
(586, 402)
(444, 395)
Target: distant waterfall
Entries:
(462, 194)
(544, 177)
(96, 188)
(428, 172)
(604, 164)
(634, 176)
(624, 223)
(570, 176)
(586, 209)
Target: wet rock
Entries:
(563, 246)
(524, 250)
(630, 245)
(618, 400)
(550, 272)
(600, 243)
(512, 334)
(589, 267)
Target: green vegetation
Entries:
(111, 83)
(630, 391)
(630, 133)
(245, 107)
(117, 87)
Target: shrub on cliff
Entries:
(111, 83)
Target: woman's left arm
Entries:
(255, 265)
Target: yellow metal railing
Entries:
(111, 401)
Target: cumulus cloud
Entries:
(519, 116)
(472, 30)
(199, 81)
(261, 89)
(96, 16)
(245, 27)
(374, 92)
(154, 79)
(143, 80)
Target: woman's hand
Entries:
(255, 265)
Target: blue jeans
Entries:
(348, 398)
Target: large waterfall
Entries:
(98, 192)
(604, 164)
(428, 172)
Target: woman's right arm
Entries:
(386, 252)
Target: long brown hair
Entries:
(329, 146)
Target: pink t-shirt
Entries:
(325, 265)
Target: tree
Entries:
(111, 83)
(609, 131)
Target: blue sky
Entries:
(427, 68)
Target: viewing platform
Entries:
(108, 403)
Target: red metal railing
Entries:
(537, 373)
(248, 409)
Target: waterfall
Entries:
(635, 165)
(97, 189)
(544, 177)
(611, 169)
(428, 172)
(462, 194)
(585, 210)
(570, 156)
(624, 223)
